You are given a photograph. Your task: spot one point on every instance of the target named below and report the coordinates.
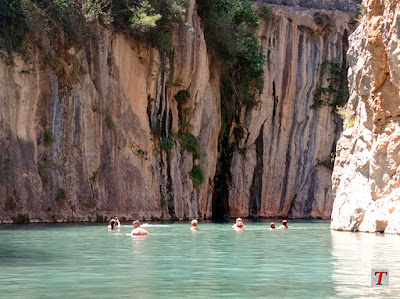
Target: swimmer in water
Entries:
(194, 225)
(239, 225)
(114, 224)
(284, 224)
(272, 225)
(235, 226)
(137, 230)
(117, 223)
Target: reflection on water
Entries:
(353, 257)
(86, 261)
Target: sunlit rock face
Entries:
(366, 183)
(104, 157)
(92, 149)
(287, 166)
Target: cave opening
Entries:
(220, 199)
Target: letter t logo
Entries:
(379, 277)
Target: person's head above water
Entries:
(116, 218)
(239, 219)
(272, 225)
(136, 223)
(112, 223)
(284, 222)
(194, 222)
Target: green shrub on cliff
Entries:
(12, 26)
(230, 28)
(144, 17)
(166, 143)
(190, 143)
(61, 194)
(151, 21)
(197, 175)
(64, 23)
(48, 138)
(4, 167)
(182, 96)
(110, 122)
(336, 93)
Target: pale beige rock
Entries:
(366, 176)
(107, 171)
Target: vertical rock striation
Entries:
(91, 149)
(286, 169)
(366, 180)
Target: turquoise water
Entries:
(87, 261)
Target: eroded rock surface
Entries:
(71, 154)
(295, 142)
(366, 183)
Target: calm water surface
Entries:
(87, 261)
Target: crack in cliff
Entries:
(257, 184)
(222, 179)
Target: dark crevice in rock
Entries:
(164, 124)
(159, 101)
(222, 179)
(292, 209)
(170, 191)
(310, 196)
(169, 127)
(21, 219)
(275, 97)
(149, 109)
(256, 187)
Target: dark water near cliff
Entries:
(87, 261)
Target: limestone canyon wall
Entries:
(366, 180)
(287, 169)
(73, 153)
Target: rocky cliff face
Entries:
(287, 167)
(72, 152)
(366, 182)
(93, 148)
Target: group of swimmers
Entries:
(137, 230)
(239, 225)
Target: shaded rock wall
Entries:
(286, 169)
(366, 181)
